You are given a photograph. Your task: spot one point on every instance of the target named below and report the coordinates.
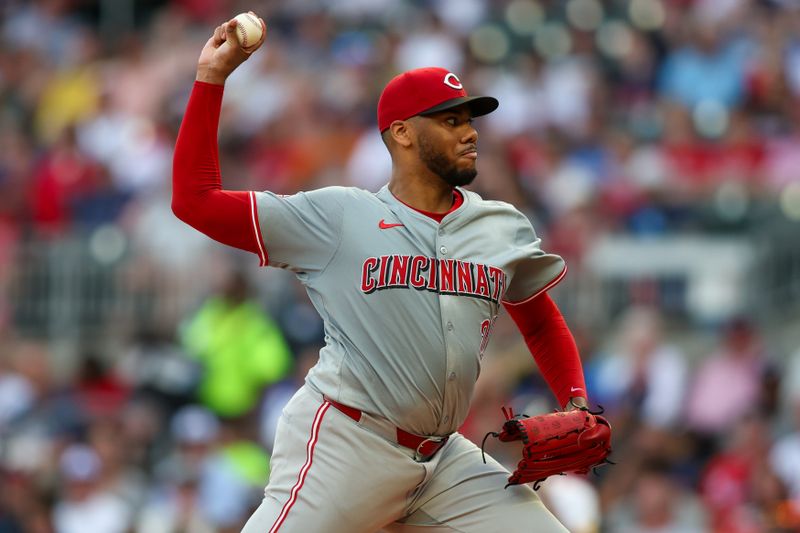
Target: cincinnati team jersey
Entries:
(408, 303)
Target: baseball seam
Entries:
(242, 35)
(243, 32)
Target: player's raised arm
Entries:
(197, 195)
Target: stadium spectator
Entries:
(240, 347)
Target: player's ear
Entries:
(401, 133)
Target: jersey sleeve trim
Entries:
(263, 256)
(555, 281)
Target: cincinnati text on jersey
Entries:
(442, 276)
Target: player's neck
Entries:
(425, 193)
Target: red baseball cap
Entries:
(427, 90)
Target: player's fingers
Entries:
(219, 36)
(230, 30)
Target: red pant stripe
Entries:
(303, 471)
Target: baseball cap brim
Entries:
(478, 105)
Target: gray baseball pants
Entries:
(332, 474)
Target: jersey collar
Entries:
(460, 200)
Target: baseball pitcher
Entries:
(409, 281)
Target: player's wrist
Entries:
(207, 74)
(576, 402)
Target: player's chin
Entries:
(466, 163)
(463, 176)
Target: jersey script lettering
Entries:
(442, 276)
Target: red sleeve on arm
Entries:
(551, 344)
(229, 217)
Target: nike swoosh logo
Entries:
(383, 225)
(573, 389)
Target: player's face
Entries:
(448, 145)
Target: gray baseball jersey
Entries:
(408, 303)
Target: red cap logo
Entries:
(451, 80)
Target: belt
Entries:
(424, 447)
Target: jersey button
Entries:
(449, 326)
(446, 418)
(443, 249)
(441, 232)
(451, 376)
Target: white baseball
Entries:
(248, 29)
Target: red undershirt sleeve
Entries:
(552, 345)
(229, 217)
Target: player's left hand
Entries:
(222, 53)
(556, 443)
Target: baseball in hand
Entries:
(248, 29)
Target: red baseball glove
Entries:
(556, 443)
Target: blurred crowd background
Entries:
(655, 144)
